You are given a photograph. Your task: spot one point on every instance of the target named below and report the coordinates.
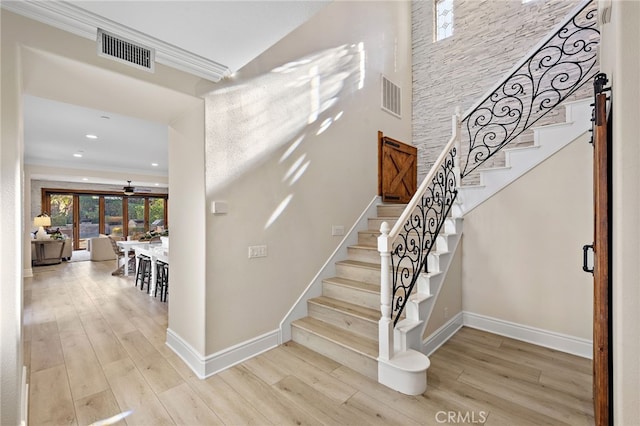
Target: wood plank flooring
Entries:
(94, 348)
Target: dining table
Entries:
(127, 247)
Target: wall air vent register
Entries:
(125, 51)
(391, 97)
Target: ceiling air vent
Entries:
(119, 49)
(391, 97)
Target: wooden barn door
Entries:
(397, 170)
(602, 355)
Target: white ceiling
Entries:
(56, 131)
(226, 34)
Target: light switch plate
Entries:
(219, 207)
(337, 230)
(257, 251)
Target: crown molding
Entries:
(71, 18)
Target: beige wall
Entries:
(12, 233)
(251, 123)
(621, 61)
(522, 258)
(188, 214)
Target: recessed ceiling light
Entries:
(157, 184)
(85, 179)
(154, 164)
(90, 136)
(77, 155)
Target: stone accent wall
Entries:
(489, 37)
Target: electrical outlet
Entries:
(257, 251)
(337, 230)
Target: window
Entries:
(136, 215)
(113, 224)
(82, 214)
(89, 213)
(443, 19)
(156, 214)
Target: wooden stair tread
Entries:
(364, 247)
(359, 344)
(340, 305)
(360, 285)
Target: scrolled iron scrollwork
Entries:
(552, 73)
(419, 233)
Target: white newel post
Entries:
(385, 326)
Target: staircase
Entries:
(342, 324)
(371, 316)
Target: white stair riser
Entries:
(443, 242)
(344, 320)
(371, 255)
(374, 223)
(433, 262)
(351, 295)
(345, 356)
(408, 337)
(514, 156)
(450, 225)
(493, 176)
(368, 238)
(390, 210)
(367, 275)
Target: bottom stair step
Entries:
(349, 349)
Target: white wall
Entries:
(522, 259)
(256, 118)
(621, 61)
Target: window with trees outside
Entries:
(86, 214)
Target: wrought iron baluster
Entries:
(419, 233)
(552, 73)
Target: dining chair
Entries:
(120, 255)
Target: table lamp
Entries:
(41, 221)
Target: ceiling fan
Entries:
(128, 189)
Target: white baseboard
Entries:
(24, 399)
(441, 335)
(186, 352)
(27, 273)
(221, 360)
(549, 339)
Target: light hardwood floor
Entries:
(94, 347)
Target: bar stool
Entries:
(162, 280)
(143, 272)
